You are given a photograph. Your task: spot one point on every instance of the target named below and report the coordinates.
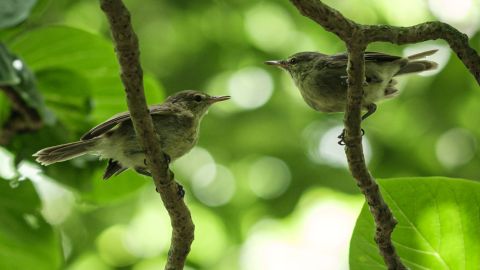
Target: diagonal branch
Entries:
(458, 41)
(126, 47)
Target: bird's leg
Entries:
(143, 171)
(167, 159)
(371, 108)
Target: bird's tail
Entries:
(413, 66)
(64, 152)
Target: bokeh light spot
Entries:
(269, 177)
(189, 164)
(455, 147)
(269, 27)
(214, 185)
(146, 235)
(7, 169)
(112, 249)
(325, 150)
(316, 237)
(460, 13)
(250, 88)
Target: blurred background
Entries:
(267, 185)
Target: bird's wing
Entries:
(340, 60)
(119, 118)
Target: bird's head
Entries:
(298, 63)
(195, 101)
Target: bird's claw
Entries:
(180, 191)
(168, 159)
(342, 137)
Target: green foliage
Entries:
(438, 225)
(8, 75)
(13, 12)
(28, 242)
(15, 75)
(264, 159)
(4, 108)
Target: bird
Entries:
(322, 79)
(176, 123)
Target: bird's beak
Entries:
(218, 99)
(278, 63)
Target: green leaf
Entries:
(4, 108)
(438, 225)
(89, 55)
(8, 75)
(27, 241)
(67, 93)
(115, 188)
(13, 12)
(16, 75)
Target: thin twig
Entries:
(126, 47)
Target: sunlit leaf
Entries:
(90, 55)
(27, 241)
(438, 225)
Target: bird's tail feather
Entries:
(422, 54)
(417, 66)
(413, 66)
(64, 152)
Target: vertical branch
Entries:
(126, 48)
(384, 220)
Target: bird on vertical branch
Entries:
(322, 79)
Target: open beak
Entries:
(218, 99)
(278, 63)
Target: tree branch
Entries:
(457, 40)
(357, 37)
(384, 220)
(126, 47)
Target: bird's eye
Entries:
(292, 61)
(198, 98)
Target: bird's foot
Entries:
(168, 159)
(143, 171)
(180, 191)
(342, 137)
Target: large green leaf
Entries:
(26, 240)
(67, 93)
(13, 12)
(438, 225)
(90, 55)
